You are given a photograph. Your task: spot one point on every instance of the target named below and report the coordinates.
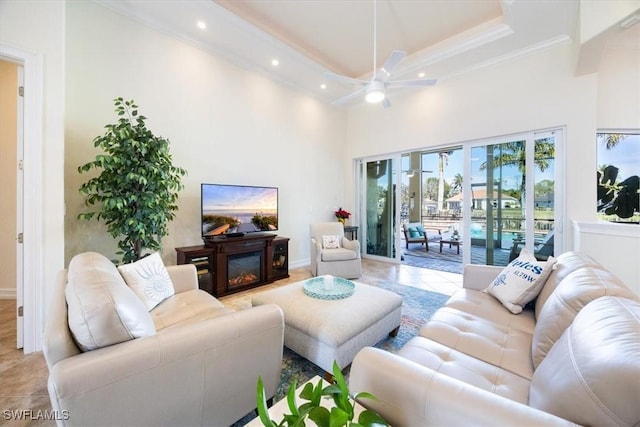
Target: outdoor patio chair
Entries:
(414, 232)
(541, 250)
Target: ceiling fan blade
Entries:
(406, 83)
(347, 98)
(393, 59)
(345, 79)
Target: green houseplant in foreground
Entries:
(137, 189)
(341, 414)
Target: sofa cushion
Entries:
(187, 307)
(503, 344)
(463, 367)
(485, 306)
(149, 279)
(102, 309)
(591, 375)
(573, 293)
(520, 281)
(413, 232)
(566, 264)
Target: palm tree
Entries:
(456, 183)
(513, 154)
(616, 197)
(611, 139)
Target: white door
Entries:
(380, 207)
(19, 213)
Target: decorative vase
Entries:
(342, 220)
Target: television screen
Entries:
(238, 209)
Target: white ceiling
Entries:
(443, 38)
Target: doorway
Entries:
(487, 198)
(30, 258)
(514, 199)
(11, 76)
(379, 210)
(432, 197)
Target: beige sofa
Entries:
(571, 359)
(189, 361)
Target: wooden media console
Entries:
(232, 264)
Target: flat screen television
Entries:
(234, 210)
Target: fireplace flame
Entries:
(242, 279)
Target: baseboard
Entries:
(6, 293)
(300, 263)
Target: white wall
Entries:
(619, 89)
(37, 27)
(226, 125)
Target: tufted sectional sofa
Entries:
(572, 358)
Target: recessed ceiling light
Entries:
(275, 62)
(323, 86)
(421, 75)
(202, 25)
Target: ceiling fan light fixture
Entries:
(375, 92)
(374, 96)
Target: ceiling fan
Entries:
(375, 89)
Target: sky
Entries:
(510, 174)
(221, 197)
(625, 156)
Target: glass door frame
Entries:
(529, 138)
(360, 179)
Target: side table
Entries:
(353, 230)
(451, 242)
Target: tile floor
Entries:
(23, 378)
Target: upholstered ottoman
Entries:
(326, 330)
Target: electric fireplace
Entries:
(244, 269)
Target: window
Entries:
(618, 176)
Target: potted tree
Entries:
(137, 189)
(338, 411)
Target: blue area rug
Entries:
(417, 307)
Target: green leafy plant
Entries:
(340, 414)
(137, 189)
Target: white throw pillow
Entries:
(149, 280)
(521, 281)
(330, 242)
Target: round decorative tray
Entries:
(329, 287)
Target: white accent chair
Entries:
(344, 261)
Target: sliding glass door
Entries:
(379, 207)
(502, 194)
(512, 203)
